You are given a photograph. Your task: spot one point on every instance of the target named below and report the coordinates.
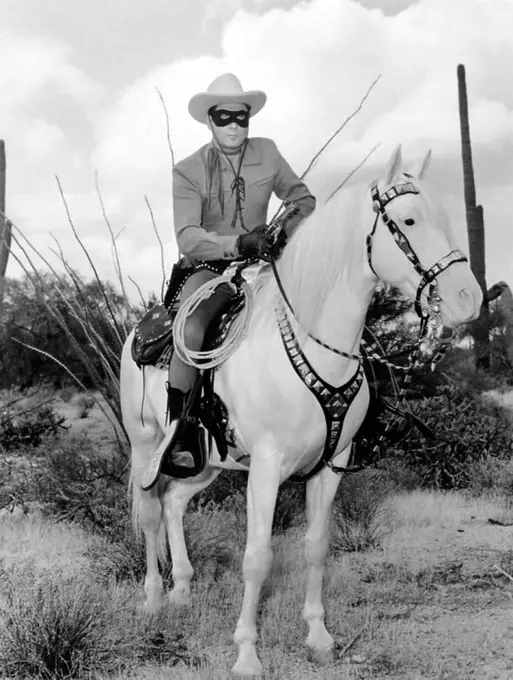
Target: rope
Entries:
(236, 332)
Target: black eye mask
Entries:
(222, 117)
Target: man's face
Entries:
(230, 136)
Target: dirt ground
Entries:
(89, 421)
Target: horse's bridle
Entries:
(428, 277)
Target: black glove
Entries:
(256, 243)
(279, 244)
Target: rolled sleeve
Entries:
(194, 241)
(290, 188)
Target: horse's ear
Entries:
(394, 165)
(421, 169)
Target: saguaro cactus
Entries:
(502, 293)
(475, 228)
(5, 227)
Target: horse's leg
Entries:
(147, 515)
(145, 434)
(263, 483)
(150, 524)
(320, 492)
(175, 499)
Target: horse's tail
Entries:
(136, 499)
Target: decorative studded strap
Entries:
(398, 190)
(379, 202)
(431, 274)
(334, 401)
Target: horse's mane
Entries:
(328, 245)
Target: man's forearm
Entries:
(198, 244)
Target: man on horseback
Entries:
(221, 195)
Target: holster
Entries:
(179, 275)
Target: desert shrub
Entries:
(401, 475)
(26, 429)
(28, 319)
(467, 428)
(52, 627)
(75, 481)
(459, 366)
(491, 475)
(56, 626)
(67, 393)
(359, 516)
(500, 364)
(85, 403)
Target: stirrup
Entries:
(190, 438)
(193, 437)
(152, 472)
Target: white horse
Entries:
(329, 276)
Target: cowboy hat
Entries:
(224, 89)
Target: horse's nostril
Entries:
(466, 299)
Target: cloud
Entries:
(31, 64)
(219, 10)
(40, 82)
(315, 61)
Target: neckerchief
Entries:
(215, 180)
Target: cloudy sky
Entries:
(79, 101)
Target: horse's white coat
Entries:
(277, 420)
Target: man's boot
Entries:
(181, 453)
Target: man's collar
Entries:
(252, 154)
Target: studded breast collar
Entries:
(334, 401)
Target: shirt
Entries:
(203, 230)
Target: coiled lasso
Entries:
(212, 358)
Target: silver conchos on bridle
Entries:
(428, 276)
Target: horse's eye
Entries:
(409, 222)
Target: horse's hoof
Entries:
(320, 657)
(179, 598)
(248, 665)
(153, 606)
(244, 671)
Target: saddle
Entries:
(152, 345)
(153, 336)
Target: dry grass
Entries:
(361, 514)
(433, 604)
(54, 625)
(33, 539)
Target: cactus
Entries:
(5, 227)
(502, 293)
(475, 229)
